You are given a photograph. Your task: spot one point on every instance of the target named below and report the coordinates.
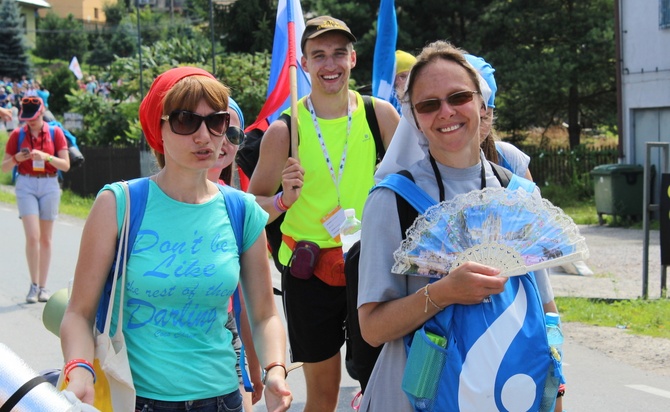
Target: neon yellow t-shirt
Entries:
(319, 194)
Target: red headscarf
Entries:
(151, 108)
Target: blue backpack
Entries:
(139, 192)
(488, 357)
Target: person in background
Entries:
(92, 85)
(332, 171)
(37, 189)
(5, 114)
(184, 118)
(448, 135)
(44, 94)
(403, 63)
(222, 173)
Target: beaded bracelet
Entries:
(78, 363)
(428, 299)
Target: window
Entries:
(664, 14)
(95, 14)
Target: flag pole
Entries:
(293, 80)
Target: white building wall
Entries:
(645, 70)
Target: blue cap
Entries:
(552, 318)
(232, 104)
(486, 71)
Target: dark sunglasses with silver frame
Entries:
(455, 99)
(235, 135)
(184, 122)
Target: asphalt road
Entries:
(596, 382)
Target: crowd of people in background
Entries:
(12, 91)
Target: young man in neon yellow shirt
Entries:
(333, 171)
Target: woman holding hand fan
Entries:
(469, 308)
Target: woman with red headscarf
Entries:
(182, 269)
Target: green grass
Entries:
(642, 317)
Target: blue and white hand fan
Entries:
(515, 231)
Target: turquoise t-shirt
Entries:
(183, 268)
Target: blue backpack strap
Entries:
(237, 211)
(22, 136)
(409, 191)
(502, 160)
(139, 192)
(53, 139)
(517, 182)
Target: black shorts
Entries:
(315, 314)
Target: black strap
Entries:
(286, 118)
(21, 392)
(406, 213)
(371, 117)
(502, 174)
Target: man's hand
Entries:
(293, 177)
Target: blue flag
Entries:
(383, 65)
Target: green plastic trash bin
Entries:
(618, 190)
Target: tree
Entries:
(559, 67)
(14, 58)
(123, 41)
(249, 26)
(60, 83)
(61, 38)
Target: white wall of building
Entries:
(645, 77)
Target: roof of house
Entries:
(36, 3)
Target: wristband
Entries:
(279, 204)
(78, 363)
(274, 365)
(50, 158)
(561, 390)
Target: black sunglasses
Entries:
(184, 122)
(433, 105)
(235, 135)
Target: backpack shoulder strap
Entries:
(52, 133)
(502, 174)
(22, 136)
(510, 180)
(286, 118)
(410, 198)
(139, 193)
(237, 211)
(371, 117)
(405, 187)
